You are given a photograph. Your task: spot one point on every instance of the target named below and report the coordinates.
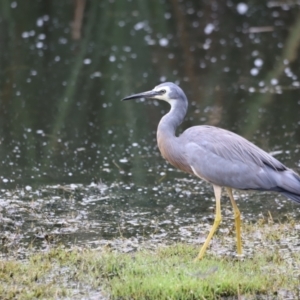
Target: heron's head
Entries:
(166, 91)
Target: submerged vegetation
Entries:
(271, 268)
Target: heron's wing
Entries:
(230, 146)
(226, 159)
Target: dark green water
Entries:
(62, 122)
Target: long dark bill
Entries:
(149, 94)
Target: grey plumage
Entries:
(218, 156)
(226, 159)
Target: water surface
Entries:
(79, 165)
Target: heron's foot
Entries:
(239, 241)
(218, 218)
(201, 254)
(237, 218)
(209, 237)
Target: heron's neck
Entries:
(169, 122)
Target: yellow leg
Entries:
(218, 218)
(237, 218)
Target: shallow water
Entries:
(80, 166)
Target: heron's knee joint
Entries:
(218, 220)
(237, 214)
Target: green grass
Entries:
(171, 273)
(269, 270)
(166, 273)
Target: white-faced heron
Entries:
(218, 156)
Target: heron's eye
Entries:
(163, 91)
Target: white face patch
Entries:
(165, 96)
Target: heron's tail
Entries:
(291, 196)
(290, 185)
